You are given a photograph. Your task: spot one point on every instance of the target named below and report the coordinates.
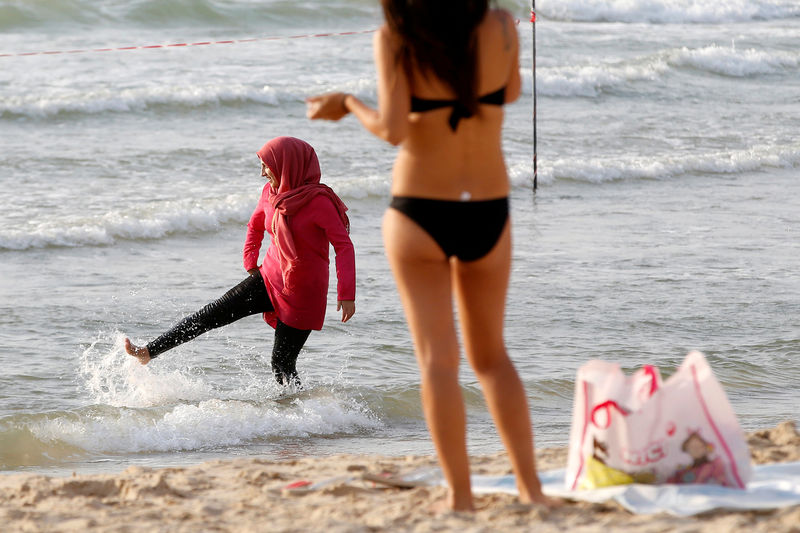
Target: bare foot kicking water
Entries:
(140, 353)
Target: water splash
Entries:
(112, 377)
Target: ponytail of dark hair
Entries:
(439, 37)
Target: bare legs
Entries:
(425, 281)
(480, 288)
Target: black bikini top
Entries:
(420, 105)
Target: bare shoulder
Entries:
(503, 15)
(382, 33)
(506, 24)
(386, 43)
(386, 37)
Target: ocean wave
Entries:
(188, 97)
(604, 169)
(154, 222)
(133, 224)
(68, 14)
(730, 61)
(596, 79)
(667, 11)
(20, 447)
(165, 98)
(360, 187)
(170, 408)
(109, 378)
(79, 14)
(567, 81)
(49, 438)
(22, 15)
(591, 80)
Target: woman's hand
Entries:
(253, 271)
(328, 106)
(348, 308)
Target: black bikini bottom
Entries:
(467, 230)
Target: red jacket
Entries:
(314, 228)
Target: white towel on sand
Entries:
(772, 486)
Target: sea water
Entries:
(667, 218)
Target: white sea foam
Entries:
(111, 377)
(153, 220)
(593, 80)
(363, 186)
(521, 174)
(729, 61)
(603, 169)
(575, 80)
(136, 223)
(192, 218)
(83, 14)
(207, 424)
(51, 102)
(165, 409)
(44, 103)
(667, 11)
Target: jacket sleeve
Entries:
(255, 235)
(328, 219)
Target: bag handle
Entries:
(607, 406)
(650, 370)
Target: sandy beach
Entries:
(257, 495)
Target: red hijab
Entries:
(294, 162)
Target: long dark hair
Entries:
(439, 37)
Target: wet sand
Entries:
(245, 495)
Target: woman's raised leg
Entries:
(247, 298)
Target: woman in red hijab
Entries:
(303, 218)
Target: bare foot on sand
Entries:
(140, 353)
(541, 499)
(445, 507)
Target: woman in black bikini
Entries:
(445, 69)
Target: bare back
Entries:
(436, 162)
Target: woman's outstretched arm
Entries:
(390, 121)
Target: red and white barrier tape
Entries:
(179, 45)
(202, 43)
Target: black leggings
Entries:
(247, 298)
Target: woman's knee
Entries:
(436, 359)
(490, 361)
